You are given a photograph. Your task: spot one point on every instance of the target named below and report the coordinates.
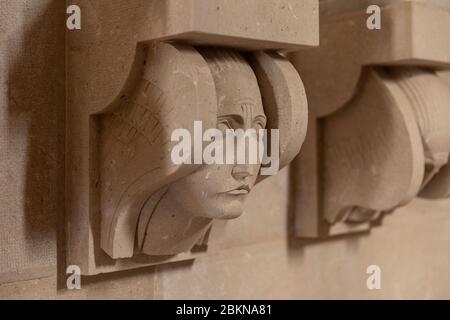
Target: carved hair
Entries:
(179, 85)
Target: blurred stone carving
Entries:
(147, 68)
(380, 118)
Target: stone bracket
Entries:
(106, 63)
(368, 148)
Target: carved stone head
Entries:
(150, 204)
(218, 191)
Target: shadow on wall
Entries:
(297, 245)
(36, 112)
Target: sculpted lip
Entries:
(241, 190)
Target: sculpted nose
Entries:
(241, 172)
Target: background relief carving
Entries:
(172, 207)
(379, 127)
(131, 205)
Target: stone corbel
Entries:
(138, 70)
(379, 129)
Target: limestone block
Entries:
(380, 136)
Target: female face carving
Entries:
(219, 191)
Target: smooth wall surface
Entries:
(262, 260)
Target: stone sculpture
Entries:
(387, 145)
(380, 134)
(137, 71)
(165, 209)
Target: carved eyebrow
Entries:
(235, 117)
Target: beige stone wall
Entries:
(262, 262)
(31, 131)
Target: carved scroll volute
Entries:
(137, 75)
(429, 95)
(284, 101)
(176, 89)
(180, 85)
